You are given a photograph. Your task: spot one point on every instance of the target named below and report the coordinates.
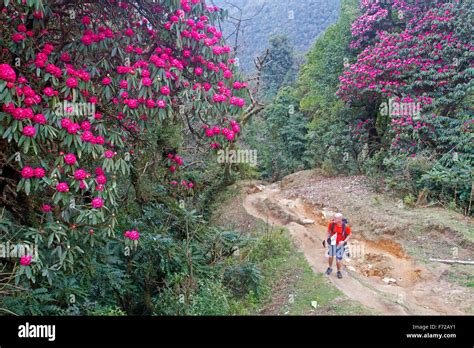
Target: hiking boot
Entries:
(328, 271)
(339, 274)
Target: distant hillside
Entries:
(301, 20)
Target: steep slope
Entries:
(301, 20)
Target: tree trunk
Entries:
(135, 179)
(374, 141)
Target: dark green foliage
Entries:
(319, 77)
(242, 279)
(450, 178)
(178, 268)
(209, 297)
(278, 70)
(279, 136)
(330, 142)
(32, 302)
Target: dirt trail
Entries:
(379, 275)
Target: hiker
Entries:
(337, 236)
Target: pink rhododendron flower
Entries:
(7, 73)
(132, 103)
(62, 187)
(39, 173)
(71, 82)
(65, 57)
(101, 179)
(146, 81)
(230, 135)
(99, 140)
(97, 203)
(27, 172)
(29, 131)
(26, 260)
(165, 90)
(161, 104)
(86, 20)
(87, 40)
(85, 125)
(87, 136)
(132, 235)
(46, 208)
(80, 174)
(123, 84)
(65, 123)
(23, 113)
(70, 159)
(73, 128)
(236, 128)
(39, 118)
(18, 37)
(109, 154)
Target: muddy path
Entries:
(378, 275)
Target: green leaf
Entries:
(8, 131)
(26, 145)
(27, 186)
(57, 197)
(50, 239)
(28, 272)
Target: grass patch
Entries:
(461, 274)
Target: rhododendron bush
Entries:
(89, 92)
(427, 62)
(413, 76)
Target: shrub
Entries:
(242, 279)
(92, 121)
